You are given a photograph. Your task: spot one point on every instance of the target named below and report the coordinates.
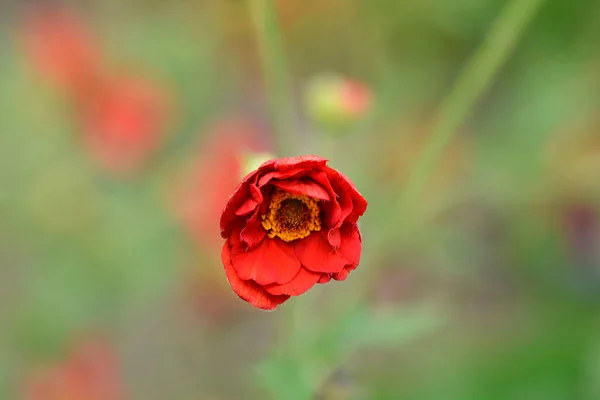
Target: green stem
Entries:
(279, 94)
(473, 81)
(476, 77)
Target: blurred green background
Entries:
(484, 286)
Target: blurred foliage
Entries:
(493, 294)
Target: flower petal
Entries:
(359, 204)
(334, 237)
(269, 176)
(247, 290)
(298, 162)
(253, 233)
(272, 261)
(304, 186)
(332, 210)
(241, 194)
(284, 168)
(316, 254)
(246, 208)
(303, 281)
(343, 274)
(351, 245)
(324, 278)
(344, 191)
(252, 202)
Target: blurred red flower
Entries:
(290, 224)
(219, 166)
(124, 122)
(122, 118)
(60, 48)
(90, 372)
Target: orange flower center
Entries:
(291, 216)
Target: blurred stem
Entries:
(475, 78)
(278, 90)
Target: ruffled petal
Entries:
(343, 189)
(269, 176)
(305, 187)
(351, 245)
(252, 202)
(253, 233)
(343, 274)
(298, 162)
(303, 281)
(332, 210)
(350, 249)
(284, 168)
(241, 194)
(246, 208)
(359, 204)
(324, 278)
(316, 254)
(334, 237)
(248, 290)
(272, 261)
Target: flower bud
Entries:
(334, 102)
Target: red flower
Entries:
(123, 123)
(60, 47)
(290, 224)
(90, 373)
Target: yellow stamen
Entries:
(291, 216)
(266, 224)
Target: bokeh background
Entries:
(125, 125)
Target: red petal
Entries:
(269, 176)
(324, 278)
(250, 291)
(298, 162)
(316, 254)
(359, 204)
(343, 274)
(239, 197)
(332, 210)
(253, 233)
(256, 193)
(251, 203)
(351, 246)
(303, 281)
(334, 237)
(246, 208)
(344, 191)
(272, 261)
(305, 187)
(284, 168)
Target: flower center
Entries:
(291, 216)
